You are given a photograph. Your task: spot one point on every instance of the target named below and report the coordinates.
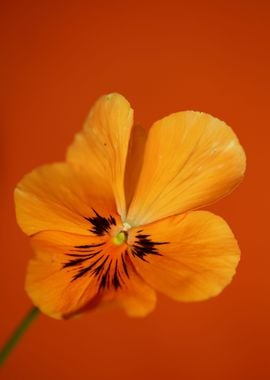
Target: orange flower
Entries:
(113, 224)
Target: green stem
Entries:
(17, 334)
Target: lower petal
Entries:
(138, 299)
(72, 274)
(193, 256)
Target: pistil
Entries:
(120, 238)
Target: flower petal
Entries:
(134, 160)
(51, 280)
(59, 197)
(137, 299)
(101, 148)
(192, 256)
(191, 159)
(71, 274)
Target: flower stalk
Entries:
(17, 334)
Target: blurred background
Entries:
(57, 57)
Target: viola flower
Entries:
(116, 222)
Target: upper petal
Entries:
(60, 197)
(101, 147)
(134, 160)
(188, 257)
(191, 159)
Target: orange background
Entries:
(56, 58)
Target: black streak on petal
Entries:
(97, 271)
(100, 224)
(89, 246)
(85, 270)
(124, 263)
(145, 246)
(75, 262)
(116, 281)
(105, 278)
(83, 255)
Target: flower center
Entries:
(120, 238)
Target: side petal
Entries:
(101, 148)
(51, 280)
(59, 197)
(191, 159)
(188, 257)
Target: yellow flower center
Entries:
(120, 238)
